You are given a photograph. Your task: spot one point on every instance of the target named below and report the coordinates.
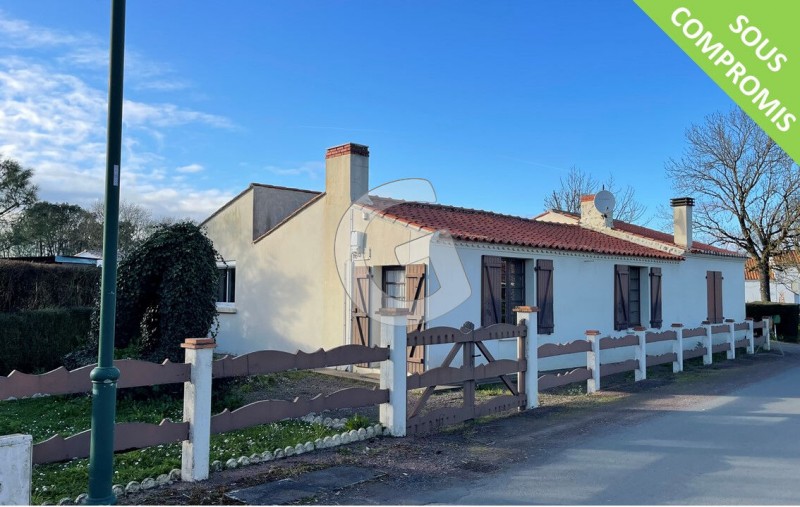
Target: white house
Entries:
(305, 270)
(784, 279)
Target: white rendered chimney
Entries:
(597, 210)
(346, 173)
(682, 219)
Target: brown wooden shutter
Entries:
(714, 296)
(718, 296)
(415, 299)
(415, 296)
(491, 280)
(621, 297)
(359, 334)
(544, 296)
(655, 298)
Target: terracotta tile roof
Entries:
(487, 227)
(661, 237)
(751, 270)
(784, 260)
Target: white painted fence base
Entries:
(393, 371)
(197, 409)
(15, 469)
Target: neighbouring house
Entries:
(307, 270)
(784, 279)
(79, 259)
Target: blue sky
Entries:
(492, 102)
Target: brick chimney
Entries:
(346, 173)
(682, 220)
(592, 217)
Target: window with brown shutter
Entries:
(655, 298)
(714, 296)
(621, 295)
(491, 282)
(502, 289)
(415, 301)
(544, 296)
(360, 310)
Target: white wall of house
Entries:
(780, 291)
(278, 281)
(583, 295)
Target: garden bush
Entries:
(34, 341)
(32, 286)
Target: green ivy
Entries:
(166, 289)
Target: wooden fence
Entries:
(133, 373)
(520, 376)
(467, 340)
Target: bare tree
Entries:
(746, 188)
(578, 183)
(136, 224)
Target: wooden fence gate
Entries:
(468, 341)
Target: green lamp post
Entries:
(104, 377)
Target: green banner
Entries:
(750, 49)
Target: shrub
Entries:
(788, 312)
(34, 341)
(32, 286)
(166, 290)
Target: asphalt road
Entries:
(743, 448)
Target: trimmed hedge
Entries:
(32, 286)
(34, 341)
(789, 314)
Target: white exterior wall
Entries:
(779, 292)
(583, 296)
(278, 280)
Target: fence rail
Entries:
(275, 361)
(133, 373)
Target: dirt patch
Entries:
(493, 445)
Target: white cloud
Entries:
(53, 119)
(189, 169)
(313, 170)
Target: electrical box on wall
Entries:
(358, 242)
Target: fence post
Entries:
(767, 333)
(15, 469)
(677, 348)
(197, 409)
(708, 343)
(593, 360)
(393, 371)
(731, 354)
(641, 354)
(530, 352)
(751, 346)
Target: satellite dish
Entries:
(604, 202)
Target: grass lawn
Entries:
(68, 415)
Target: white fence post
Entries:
(708, 343)
(531, 353)
(15, 469)
(751, 347)
(731, 354)
(197, 409)
(677, 348)
(641, 354)
(767, 333)
(593, 360)
(393, 372)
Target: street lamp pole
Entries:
(104, 376)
